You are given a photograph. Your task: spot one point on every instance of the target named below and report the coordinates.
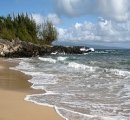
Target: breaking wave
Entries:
(118, 72)
(62, 58)
(47, 60)
(81, 66)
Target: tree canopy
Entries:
(48, 32)
(24, 28)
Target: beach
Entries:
(13, 89)
(81, 87)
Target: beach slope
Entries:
(13, 89)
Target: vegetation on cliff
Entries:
(23, 27)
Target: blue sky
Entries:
(101, 22)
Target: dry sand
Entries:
(13, 88)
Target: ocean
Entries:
(92, 86)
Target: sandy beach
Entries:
(13, 89)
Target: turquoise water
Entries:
(95, 86)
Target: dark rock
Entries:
(17, 48)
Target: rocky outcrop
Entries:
(17, 48)
(66, 49)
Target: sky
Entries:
(81, 22)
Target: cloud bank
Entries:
(109, 9)
(112, 26)
(103, 31)
(39, 18)
(113, 23)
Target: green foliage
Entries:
(23, 27)
(7, 34)
(48, 33)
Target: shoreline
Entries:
(13, 88)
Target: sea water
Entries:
(95, 86)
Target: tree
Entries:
(49, 33)
(23, 27)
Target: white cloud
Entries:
(112, 26)
(78, 26)
(78, 32)
(39, 18)
(54, 18)
(102, 31)
(110, 9)
(113, 9)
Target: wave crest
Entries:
(47, 60)
(120, 72)
(61, 58)
(81, 66)
(25, 66)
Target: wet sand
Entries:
(13, 89)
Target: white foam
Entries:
(92, 49)
(62, 58)
(81, 66)
(126, 91)
(85, 116)
(54, 53)
(24, 66)
(85, 53)
(27, 98)
(39, 79)
(47, 60)
(101, 52)
(42, 78)
(71, 113)
(57, 110)
(38, 87)
(120, 72)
